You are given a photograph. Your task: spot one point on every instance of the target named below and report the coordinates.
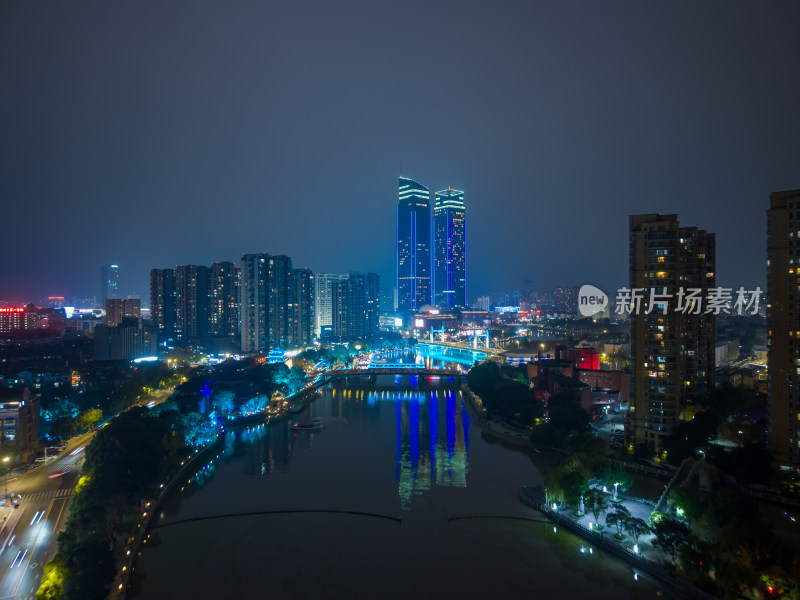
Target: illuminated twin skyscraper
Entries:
(414, 289)
(449, 250)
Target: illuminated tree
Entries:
(596, 502)
(52, 586)
(636, 528)
(618, 519)
(89, 418)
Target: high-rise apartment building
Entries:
(355, 306)
(783, 324)
(372, 305)
(323, 297)
(117, 309)
(413, 246)
(280, 275)
(301, 307)
(109, 285)
(449, 252)
(254, 302)
(191, 315)
(265, 307)
(672, 338)
(163, 310)
(223, 301)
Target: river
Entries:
(398, 495)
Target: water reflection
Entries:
(444, 460)
(383, 445)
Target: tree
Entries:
(596, 502)
(483, 377)
(223, 403)
(62, 427)
(297, 379)
(554, 489)
(656, 517)
(574, 483)
(611, 474)
(636, 528)
(670, 537)
(618, 519)
(89, 418)
(90, 569)
(687, 505)
(52, 586)
(255, 404)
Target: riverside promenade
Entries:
(648, 560)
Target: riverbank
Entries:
(498, 430)
(652, 566)
(122, 582)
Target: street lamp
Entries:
(5, 461)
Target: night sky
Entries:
(151, 134)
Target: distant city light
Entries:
(145, 359)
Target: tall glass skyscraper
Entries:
(413, 246)
(109, 288)
(449, 252)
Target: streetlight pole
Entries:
(5, 461)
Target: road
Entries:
(29, 538)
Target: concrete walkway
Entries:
(637, 509)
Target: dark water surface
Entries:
(403, 464)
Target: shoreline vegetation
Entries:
(709, 529)
(135, 459)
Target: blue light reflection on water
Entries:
(414, 431)
(433, 416)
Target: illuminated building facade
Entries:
(191, 319)
(254, 302)
(449, 254)
(783, 322)
(276, 303)
(223, 309)
(301, 309)
(19, 419)
(109, 282)
(672, 351)
(162, 303)
(279, 282)
(413, 246)
(12, 319)
(117, 309)
(355, 307)
(323, 298)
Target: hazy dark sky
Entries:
(157, 133)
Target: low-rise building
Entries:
(19, 419)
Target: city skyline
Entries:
(221, 147)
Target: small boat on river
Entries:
(309, 425)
